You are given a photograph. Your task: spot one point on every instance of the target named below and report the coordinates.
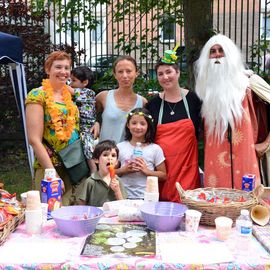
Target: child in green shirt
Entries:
(103, 185)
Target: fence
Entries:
(146, 35)
(116, 27)
(99, 32)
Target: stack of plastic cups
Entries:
(151, 193)
(33, 213)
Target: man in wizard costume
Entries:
(236, 127)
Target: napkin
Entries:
(263, 235)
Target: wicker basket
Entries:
(212, 210)
(11, 226)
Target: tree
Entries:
(197, 16)
(143, 34)
(198, 20)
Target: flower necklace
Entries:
(63, 128)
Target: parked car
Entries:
(99, 64)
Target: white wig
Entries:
(222, 92)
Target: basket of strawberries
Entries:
(215, 202)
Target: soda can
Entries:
(248, 182)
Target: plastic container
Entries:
(163, 216)
(137, 152)
(223, 227)
(77, 220)
(33, 221)
(244, 232)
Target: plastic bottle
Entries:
(137, 152)
(244, 232)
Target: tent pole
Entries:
(18, 69)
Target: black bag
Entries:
(74, 161)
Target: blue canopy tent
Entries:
(11, 54)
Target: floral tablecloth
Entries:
(176, 250)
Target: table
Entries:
(51, 250)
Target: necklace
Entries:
(63, 127)
(172, 109)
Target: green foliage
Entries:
(158, 12)
(14, 168)
(257, 52)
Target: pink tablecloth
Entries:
(51, 250)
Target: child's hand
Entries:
(129, 167)
(95, 130)
(140, 165)
(70, 89)
(114, 184)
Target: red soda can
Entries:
(248, 182)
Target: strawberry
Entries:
(241, 199)
(202, 196)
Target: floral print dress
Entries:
(38, 96)
(85, 101)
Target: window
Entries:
(72, 31)
(98, 34)
(167, 29)
(265, 26)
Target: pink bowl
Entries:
(70, 219)
(163, 216)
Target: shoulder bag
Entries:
(73, 160)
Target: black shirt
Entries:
(180, 113)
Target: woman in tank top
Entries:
(116, 104)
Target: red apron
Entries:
(179, 144)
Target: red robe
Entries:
(217, 163)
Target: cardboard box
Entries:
(248, 182)
(51, 193)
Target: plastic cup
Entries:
(151, 197)
(223, 227)
(23, 198)
(44, 208)
(33, 200)
(152, 184)
(33, 221)
(192, 220)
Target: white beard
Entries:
(222, 89)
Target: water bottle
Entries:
(137, 152)
(244, 232)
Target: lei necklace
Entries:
(63, 128)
